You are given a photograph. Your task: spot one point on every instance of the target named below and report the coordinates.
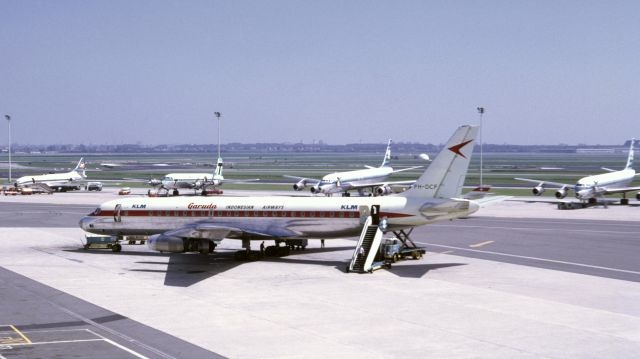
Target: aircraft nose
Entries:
(86, 223)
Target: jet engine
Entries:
(154, 182)
(299, 186)
(638, 196)
(538, 190)
(382, 190)
(164, 243)
(315, 189)
(561, 193)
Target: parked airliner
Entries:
(591, 187)
(71, 180)
(195, 181)
(373, 178)
(183, 224)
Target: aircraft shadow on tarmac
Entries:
(184, 270)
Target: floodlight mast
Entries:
(218, 114)
(9, 122)
(481, 112)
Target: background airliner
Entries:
(72, 180)
(591, 187)
(184, 224)
(373, 178)
(195, 181)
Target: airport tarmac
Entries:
(494, 285)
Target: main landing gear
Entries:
(277, 250)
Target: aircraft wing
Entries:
(218, 232)
(608, 169)
(307, 180)
(620, 190)
(240, 181)
(544, 183)
(407, 169)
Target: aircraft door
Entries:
(116, 213)
(375, 214)
(364, 213)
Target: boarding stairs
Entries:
(370, 240)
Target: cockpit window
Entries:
(96, 212)
(167, 179)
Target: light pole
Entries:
(9, 122)
(481, 112)
(218, 114)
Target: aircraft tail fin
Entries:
(219, 167)
(387, 156)
(630, 158)
(80, 167)
(445, 176)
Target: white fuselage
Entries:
(588, 187)
(190, 180)
(278, 217)
(343, 181)
(51, 180)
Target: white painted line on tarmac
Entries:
(480, 244)
(532, 258)
(560, 221)
(125, 349)
(538, 229)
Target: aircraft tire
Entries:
(116, 248)
(624, 201)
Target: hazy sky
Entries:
(341, 71)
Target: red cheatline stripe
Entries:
(244, 213)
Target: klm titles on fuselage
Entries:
(349, 206)
(139, 206)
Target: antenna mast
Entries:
(481, 112)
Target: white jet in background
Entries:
(68, 181)
(373, 178)
(591, 187)
(196, 181)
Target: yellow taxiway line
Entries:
(20, 334)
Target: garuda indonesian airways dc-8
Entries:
(183, 224)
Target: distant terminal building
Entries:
(596, 150)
